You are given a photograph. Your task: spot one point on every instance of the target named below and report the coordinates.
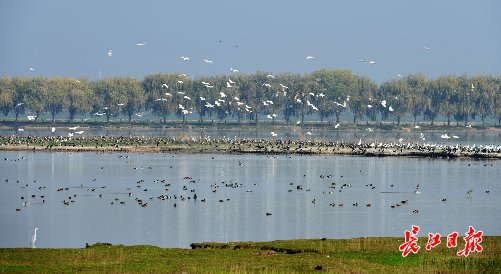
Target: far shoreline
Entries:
(207, 145)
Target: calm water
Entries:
(265, 184)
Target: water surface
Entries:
(262, 184)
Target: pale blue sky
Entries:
(72, 38)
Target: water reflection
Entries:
(265, 184)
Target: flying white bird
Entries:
(341, 105)
(231, 82)
(185, 58)
(298, 122)
(273, 134)
(228, 85)
(390, 108)
(121, 104)
(110, 53)
(336, 126)
(398, 74)
(165, 86)
(270, 76)
(34, 238)
(19, 104)
(445, 136)
(79, 132)
(73, 128)
(369, 106)
(310, 57)
(168, 94)
(371, 62)
(180, 82)
(20, 129)
(202, 98)
(141, 44)
(222, 94)
(233, 70)
(70, 134)
(187, 98)
(31, 69)
(383, 103)
(308, 133)
(266, 85)
(426, 48)
(31, 118)
(208, 61)
(455, 136)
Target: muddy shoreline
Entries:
(244, 146)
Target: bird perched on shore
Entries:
(34, 238)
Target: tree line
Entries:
(259, 96)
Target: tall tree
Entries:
(56, 98)
(79, 96)
(37, 93)
(134, 97)
(6, 95)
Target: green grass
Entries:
(361, 255)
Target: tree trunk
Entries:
(398, 120)
(53, 117)
(448, 121)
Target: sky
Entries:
(72, 38)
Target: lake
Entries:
(234, 195)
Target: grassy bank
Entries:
(361, 255)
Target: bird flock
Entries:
(165, 184)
